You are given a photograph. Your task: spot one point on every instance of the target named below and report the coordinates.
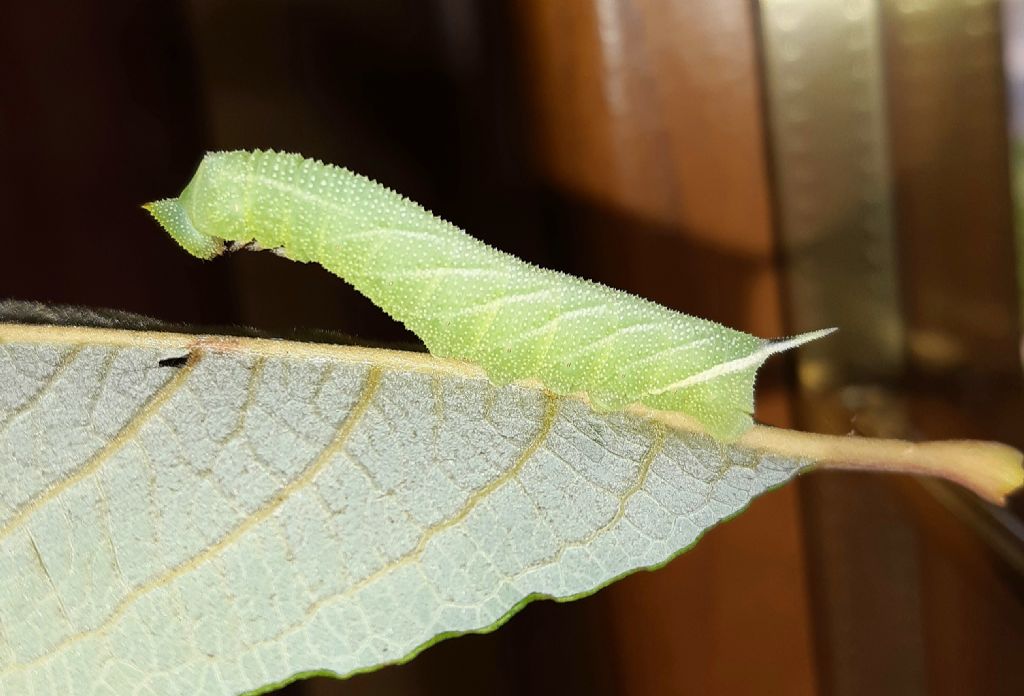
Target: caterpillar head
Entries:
(200, 216)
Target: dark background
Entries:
(624, 141)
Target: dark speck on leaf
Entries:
(176, 361)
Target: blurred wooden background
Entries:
(655, 145)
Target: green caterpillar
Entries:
(467, 300)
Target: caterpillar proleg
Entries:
(469, 301)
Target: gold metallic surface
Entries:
(826, 104)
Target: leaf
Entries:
(186, 514)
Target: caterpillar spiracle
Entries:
(467, 300)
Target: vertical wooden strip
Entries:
(951, 155)
(1013, 62)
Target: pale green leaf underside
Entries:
(271, 509)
